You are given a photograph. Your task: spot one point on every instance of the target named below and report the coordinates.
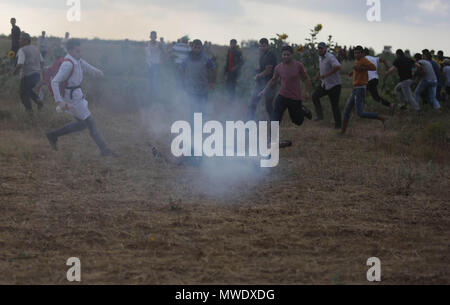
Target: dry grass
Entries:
(332, 203)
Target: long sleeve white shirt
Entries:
(78, 106)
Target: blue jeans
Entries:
(358, 98)
(430, 88)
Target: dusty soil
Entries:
(332, 203)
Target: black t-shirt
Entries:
(15, 38)
(404, 66)
(268, 59)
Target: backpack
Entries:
(51, 72)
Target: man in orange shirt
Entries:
(360, 81)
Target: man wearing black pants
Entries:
(334, 94)
(372, 86)
(30, 63)
(290, 72)
(233, 67)
(27, 93)
(15, 39)
(330, 84)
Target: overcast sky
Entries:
(413, 24)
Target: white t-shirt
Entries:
(181, 51)
(375, 61)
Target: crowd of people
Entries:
(196, 68)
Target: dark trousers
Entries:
(27, 85)
(270, 94)
(295, 109)
(372, 87)
(80, 125)
(231, 84)
(334, 94)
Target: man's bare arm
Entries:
(385, 63)
(392, 69)
(17, 68)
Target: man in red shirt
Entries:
(290, 72)
(233, 67)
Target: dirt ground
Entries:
(332, 203)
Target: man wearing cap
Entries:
(31, 65)
(330, 84)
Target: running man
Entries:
(360, 81)
(331, 84)
(404, 66)
(372, 86)
(428, 82)
(290, 72)
(426, 54)
(31, 65)
(71, 99)
(267, 64)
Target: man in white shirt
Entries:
(181, 50)
(66, 87)
(331, 84)
(153, 53)
(372, 86)
(31, 64)
(428, 82)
